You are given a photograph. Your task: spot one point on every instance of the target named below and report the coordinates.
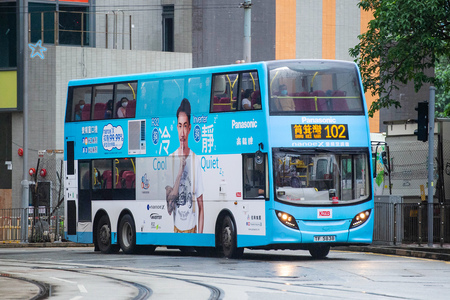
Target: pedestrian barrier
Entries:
(44, 224)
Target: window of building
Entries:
(72, 24)
(168, 28)
(8, 45)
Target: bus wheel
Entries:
(127, 235)
(228, 239)
(104, 236)
(318, 252)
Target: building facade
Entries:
(90, 38)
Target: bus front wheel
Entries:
(127, 234)
(228, 239)
(319, 252)
(104, 236)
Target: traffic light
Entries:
(422, 121)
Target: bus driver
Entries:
(188, 185)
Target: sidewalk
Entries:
(410, 250)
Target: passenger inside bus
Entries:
(122, 107)
(246, 103)
(282, 101)
(109, 109)
(78, 109)
(256, 100)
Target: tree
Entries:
(442, 71)
(405, 38)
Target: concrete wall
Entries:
(348, 25)
(218, 32)
(47, 93)
(113, 24)
(309, 29)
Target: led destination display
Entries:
(319, 131)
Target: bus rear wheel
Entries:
(127, 234)
(228, 239)
(104, 236)
(319, 252)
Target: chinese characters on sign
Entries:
(319, 131)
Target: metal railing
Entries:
(397, 223)
(113, 26)
(45, 224)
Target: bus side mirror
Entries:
(259, 154)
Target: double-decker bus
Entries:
(267, 155)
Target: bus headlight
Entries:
(360, 218)
(286, 219)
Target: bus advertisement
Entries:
(269, 155)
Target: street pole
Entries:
(23, 58)
(247, 30)
(430, 164)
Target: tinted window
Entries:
(314, 87)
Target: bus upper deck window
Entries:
(125, 104)
(80, 105)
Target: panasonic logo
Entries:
(319, 120)
(245, 124)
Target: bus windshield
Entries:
(312, 87)
(315, 177)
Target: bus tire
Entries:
(127, 234)
(318, 252)
(228, 239)
(103, 236)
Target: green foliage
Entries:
(442, 71)
(405, 38)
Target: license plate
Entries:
(324, 238)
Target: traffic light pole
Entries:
(430, 164)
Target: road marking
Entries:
(82, 288)
(77, 297)
(63, 280)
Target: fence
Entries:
(74, 28)
(45, 224)
(398, 223)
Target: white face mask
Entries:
(124, 104)
(81, 106)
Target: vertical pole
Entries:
(82, 29)
(419, 223)
(23, 59)
(106, 31)
(247, 31)
(430, 164)
(42, 27)
(130, 34)
(395, 223)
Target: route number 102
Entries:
(336, 131)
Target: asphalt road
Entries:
(81, 273)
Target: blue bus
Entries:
(266, 155)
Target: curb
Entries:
(418, 252)
(44, 245)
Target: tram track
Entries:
(43, 287)
(292, 285)
(144, 292)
